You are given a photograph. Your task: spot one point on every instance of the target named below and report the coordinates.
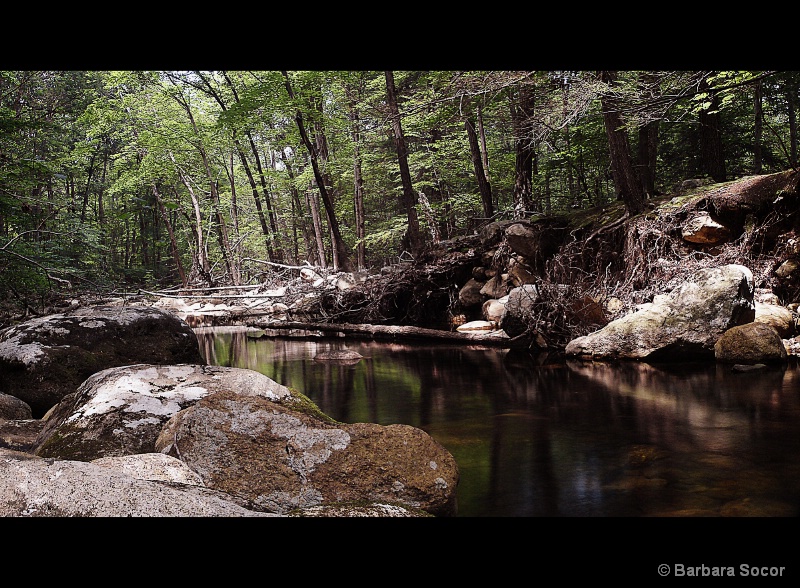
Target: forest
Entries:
(112, 181)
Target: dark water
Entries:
(539, 438)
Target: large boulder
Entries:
(281, 459)
(247, 436)
(121, 411)
(750, 344)
(46, 358)
(683, 325)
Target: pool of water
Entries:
(539, 437)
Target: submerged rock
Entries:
(339, 355)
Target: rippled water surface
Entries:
(539, 438)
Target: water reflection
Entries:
(538, 437)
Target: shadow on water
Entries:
(542, 437)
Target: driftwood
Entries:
(217, 297)
(379, 332)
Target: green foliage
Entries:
(81, 154)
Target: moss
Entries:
(60, 445)
(302, 403)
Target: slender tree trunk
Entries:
(231, 262)
(758, 127)
(427, 212)
(298, 208)
(484, 151)
(173, 243)
(484, 187)
(573, 193)
(202, 266)
(145, 259)
(342, 254)
(101, 213)
(791, 100)
(311, 199)
(88, 186)
(269, 235)
(626, 180)
(321, 143)
(237, 248)
(231, 265)
(413, 236)
(547, 196)
(358, 190)
(272, 215)
(648, 143)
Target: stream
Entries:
(536, 437)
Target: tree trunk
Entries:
(758, 127)
(791, 100)
(648, 151)
(521, 107)
(427, 212)
(231, 264)
(88, 185)
(413, 236)
(343, 255)
(202, 267)
(358, 191)
(484, 187)
(648, 142)
(173, 243)
(297, 207)
(321, 143)
(484, 151)
(237, 247)
(313, 205)
(626, 180)
(711, 138)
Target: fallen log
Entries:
(495, 337)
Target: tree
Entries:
(712, 156)
(484, 186)
(231, 263)
(648, 139)
(342, 256)
(521, 105)
(413, 237)
(354, 90)
(270, 231)
(623, 171)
